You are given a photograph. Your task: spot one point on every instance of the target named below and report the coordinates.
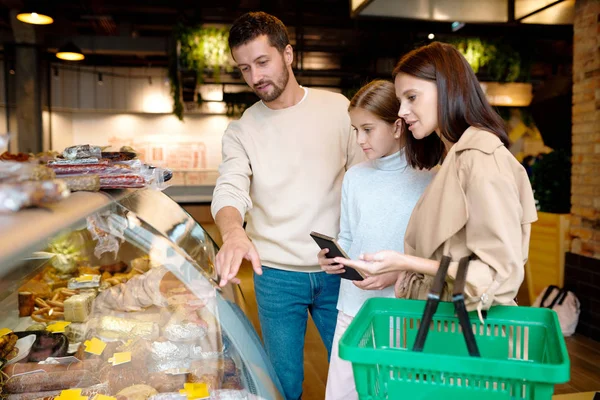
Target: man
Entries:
(282, 170)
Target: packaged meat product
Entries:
(89, 392)
(26, 367)
(102, 166)
(83, 183)
(46, 381)
(122, 181)
(82, 151)
(18, 157)
(11, 171)
(119, 328)
(119, 155)
(84, 282)
(15, 196)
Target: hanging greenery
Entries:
(499, 60)
(204, 50)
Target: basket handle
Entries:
(458, 298)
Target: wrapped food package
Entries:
(11, 171)
(139, 292)
(80, 168)
(79, 307)
(82, 151)
(120, 328)
(169, 396)
(15, 196)
(89, 392)
(75, 332)
(83, 183)
(41, 382)
(124, 181)
(84, 282)
(26, 367)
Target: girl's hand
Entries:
(378, 282)
(376, 264)
(328, 264)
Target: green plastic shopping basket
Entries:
(522, 353)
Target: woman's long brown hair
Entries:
(461, 101)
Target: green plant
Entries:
(499, 60)
(204, 50)
(551, 182)
(477, 52)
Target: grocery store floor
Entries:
(584, 353)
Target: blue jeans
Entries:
(284, 299)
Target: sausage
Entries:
(47, 381)
(122, 181)
(79, 169)
(89, 183)
(20, 368)
(50, 395)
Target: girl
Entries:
(480, 203)
(378, 196)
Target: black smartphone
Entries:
(327, 242)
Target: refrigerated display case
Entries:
(115, 294)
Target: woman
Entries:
(480, 203)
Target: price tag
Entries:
(94, 346)
(195, 391)
(120, 358)
(71, 394)
(85, 278)
(5, 331)
(58, 327)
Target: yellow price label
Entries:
(195, 391)
(94, 346)
(5, 331)
(58, 327)
(85, 278)
(120, 358)
(71, 394)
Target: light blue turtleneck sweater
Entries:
(378, 197)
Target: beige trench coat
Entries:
(479, 203)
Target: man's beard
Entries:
(278, 87)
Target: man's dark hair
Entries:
(254, 24)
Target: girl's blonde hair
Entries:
(379, 98)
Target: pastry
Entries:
(137, 392)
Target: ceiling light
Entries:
(431, 36)
(70, 52)
(34, 13)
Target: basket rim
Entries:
(405, 358)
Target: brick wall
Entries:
(585, 185)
